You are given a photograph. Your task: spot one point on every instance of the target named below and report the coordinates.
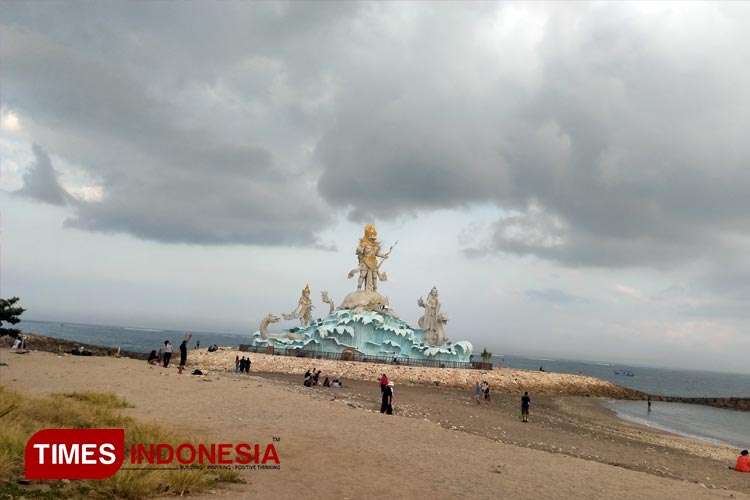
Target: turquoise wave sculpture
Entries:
(371, 333)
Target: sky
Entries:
(572, 177)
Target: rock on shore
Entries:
(502, 380)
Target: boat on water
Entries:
(624, 373)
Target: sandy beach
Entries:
(334, 443)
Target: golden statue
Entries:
(367, 252)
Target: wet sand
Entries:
(334, 443)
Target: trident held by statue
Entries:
(384, 276)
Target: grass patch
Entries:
(104, 400)
(22, 416)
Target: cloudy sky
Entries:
(573, 178)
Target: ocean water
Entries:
(711, 424)
(129, 338)
(703, 422)
(662, 381)
(715, 425)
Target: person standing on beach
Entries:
(387, 403)
(525, 403)
(478, 394)
(183, 352)
(167, 353)
(649, 403)
(487, 396)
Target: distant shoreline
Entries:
(62, 346)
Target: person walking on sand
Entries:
(183, 352)
(387, 403)
(478, 394)
(167, 353)
(743, 462)
(525, 403)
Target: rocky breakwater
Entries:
(501, 380)
(62, 346)
(741, 404)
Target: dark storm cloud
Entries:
(623, 149)
(608, 134)
(40, 180)
(223, 176)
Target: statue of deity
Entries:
(433, 320)
(369, 269)
(303, 312)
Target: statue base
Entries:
(369, 333)
(364, 300)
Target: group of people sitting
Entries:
(242, 365)
(21, 343)
(154, 357)
(333, 383)
(81, 352)
(313, 378)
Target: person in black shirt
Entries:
(183, 353)
(525, 402)
(387, 404)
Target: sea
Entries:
(715, 425)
